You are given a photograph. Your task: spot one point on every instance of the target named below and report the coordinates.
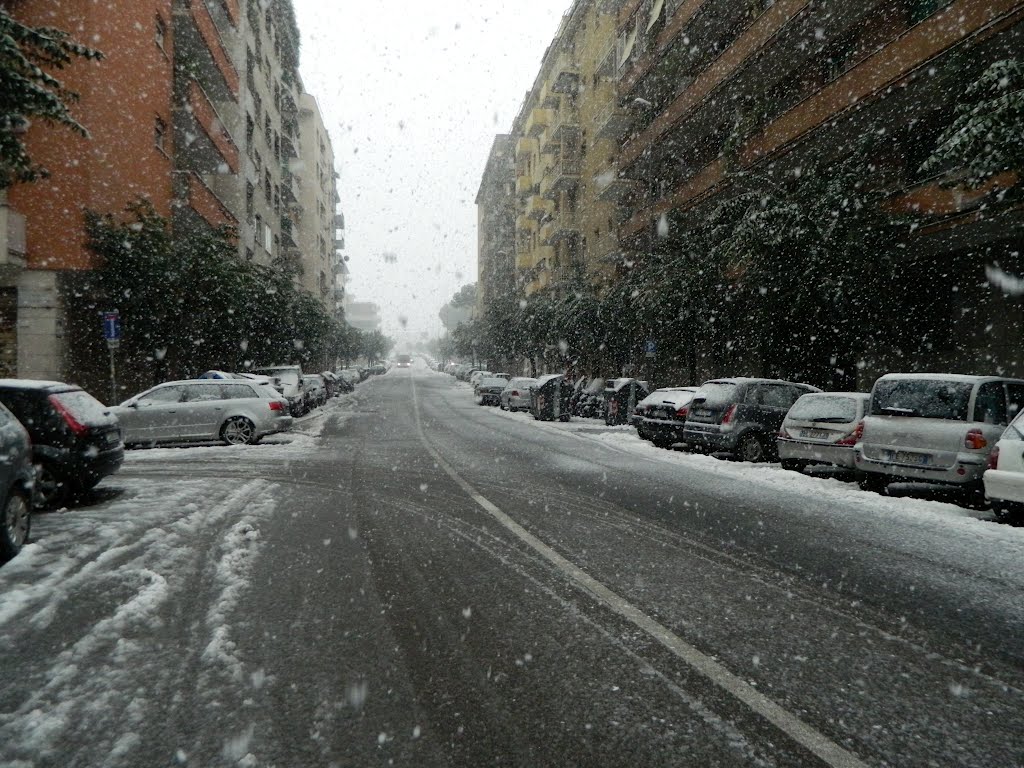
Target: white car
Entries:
(1004, 479)
(823, 428)
(516, 395)
(475, 378)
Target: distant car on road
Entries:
(404, 361)
(516, 394)
(236, 412)
(76, 440)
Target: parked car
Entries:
(823, 428)
(237, 412)
(662, 415)
(76, 440)
(315, 390)
(17, 477)
(288, 381)
(488, 390)
(740, 416)
(516, 394)
(1004, 478)
(477, 375)
(935, 428)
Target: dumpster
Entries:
(550, 397)
(588, 398)
(621, 397)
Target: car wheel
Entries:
(750, 448)
(793, 465)
(1008, 512)
(51, 489)
(873, 482)
(15, 526)
(238, 430)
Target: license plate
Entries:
(907, 457)
(815, 434)
(113, 437)
(702, 412)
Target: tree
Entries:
(28, 90)
(985, 136)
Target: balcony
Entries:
(562, 227)
(524, 224)
(539, 121)
(565, 127)
(215, 44)
(538, 207)
(565, 74)
(612, 188)
(524, 260)
(613, 122)
(525, 185)
(202, 199)
(205, 113)
(339, 243)
(525, 146)
(563, 174)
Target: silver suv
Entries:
(934, 427)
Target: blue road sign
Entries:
(112, 326)
(651, 347)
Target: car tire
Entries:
(751, 448)
(661, 442)
(16, 524)
(238, 430)
(794, 465)
(51, 488)
(873, 482)
(1008, 512)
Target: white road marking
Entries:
(807, 736)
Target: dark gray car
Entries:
(740, 416)
(16, 479)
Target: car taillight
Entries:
(683, 412)
(73, 424)
(993, 458)
(727, 418)
(975, 440)
(854, 437)
(514, 393)
(276, 405)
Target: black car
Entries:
(662, 415)
(740, 416)
(76, 440)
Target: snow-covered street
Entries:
(410, 577)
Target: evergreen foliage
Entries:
(28, 89)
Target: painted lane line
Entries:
(806, 735)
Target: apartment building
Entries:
(565, 223)
(320, 228)
(709, 89)
(127, 103)
(496, 212)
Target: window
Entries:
(162, 396)
(160, 135)
(990, 403)
(258, 229)
(250, 195)
(237, 391)
(258, 162)
(1014, 399)
(268, 187)
(161, 33)
(268, 132)
(202, 393)
(250, 129)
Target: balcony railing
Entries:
(206, 115)
(214, 42)
(563, 226)
(613, 122)
(566, 74)
(539, 121)
(565, 125)
(564, 173)
(538, 207)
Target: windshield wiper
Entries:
(831, 420)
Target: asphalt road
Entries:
(438, 584)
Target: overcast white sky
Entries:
(412, 95)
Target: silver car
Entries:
(237, 412)
(934, 427)
(516, 394)
(822, 428)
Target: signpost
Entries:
(112, 333)
(651, 348)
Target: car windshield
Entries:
(924, 398)
(501, 225)
(824, 408)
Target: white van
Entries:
(934, 427)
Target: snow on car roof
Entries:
(861, 395)
(963, 377)
(549, 377)
(33, 384)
